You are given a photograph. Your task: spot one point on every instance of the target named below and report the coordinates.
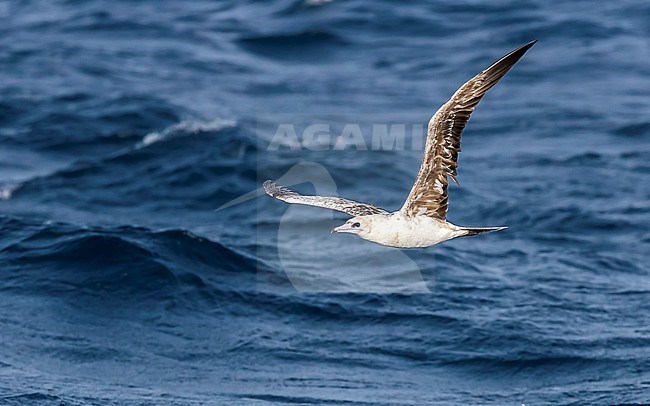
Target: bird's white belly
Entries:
(414, 232)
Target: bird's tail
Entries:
(481, 230)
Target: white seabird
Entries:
(421, 222)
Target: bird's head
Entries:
(360, 225)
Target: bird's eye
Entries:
(355, 225)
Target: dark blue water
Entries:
(124, 124)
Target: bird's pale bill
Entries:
(349, 227)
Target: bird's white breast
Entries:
(400, 231)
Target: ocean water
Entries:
(125, 124)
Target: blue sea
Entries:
(128, 276)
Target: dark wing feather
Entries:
(429, 193)
(329, 202)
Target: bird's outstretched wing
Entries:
(329, 202)
(429, 193)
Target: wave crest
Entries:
(186, 127)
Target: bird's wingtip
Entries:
(527, 46)
(522, 49)
(270, 187)
(531, 43)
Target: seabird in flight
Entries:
(421, 222)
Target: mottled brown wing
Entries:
(429, 193)
(329, 202)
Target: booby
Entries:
(421, 222)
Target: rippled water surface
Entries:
(124, 124)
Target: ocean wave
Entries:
(95, 170)
(34, 398)
(511, 364)
(72, 122)
(300, 45)
(126, 262)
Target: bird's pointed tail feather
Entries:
(481, 230)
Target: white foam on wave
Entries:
(7, 190)
(186, 127)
